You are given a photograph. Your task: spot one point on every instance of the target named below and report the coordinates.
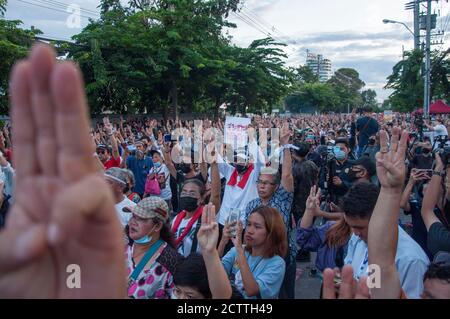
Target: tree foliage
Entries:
(171, 55)
(407, 81)
(14, 45)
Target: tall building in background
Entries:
(319, 66)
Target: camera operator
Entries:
(372, 147)
(423, 157)
(438, 128)
(411, 203)
(438, 228)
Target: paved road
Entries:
(306, 286)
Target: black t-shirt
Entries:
(366, 130)
(438, 238)
(342, 171)
(419, 231)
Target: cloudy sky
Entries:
(348, 32)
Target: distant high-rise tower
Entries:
(319, 66)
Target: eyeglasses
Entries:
(101, 152)
(265, 183)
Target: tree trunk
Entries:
(216, 110)
(174, 100)
(166, 112)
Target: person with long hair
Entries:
(257, 269)
(151, 257)
(328, 240)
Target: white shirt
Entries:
(411, 262)
(124, 217)
(166, 193)
(234, 197)
(186, 245)
(440, 129)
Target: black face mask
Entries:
(352, 175)
(188, 203)
(241, 169)
(185, 168)
(426, 151)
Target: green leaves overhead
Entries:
(170, 56)
(407, 83)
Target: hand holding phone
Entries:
(233, 219)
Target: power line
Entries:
(66, 5)
(249, 23)
(50, 8)
(268, 26)
(264, 22)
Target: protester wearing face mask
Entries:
(363, 169)
(186, 223)
(341, 182)
(152, 258)
(240, 188)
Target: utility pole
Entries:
(426, 97)
(416, 25)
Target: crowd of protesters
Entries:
(213, 220)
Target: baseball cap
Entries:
(116, 174)
(367, 163)
(152, 207)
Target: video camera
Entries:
(327, 170)
(443, 150)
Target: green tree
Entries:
(14, 45)
(440, 72)
(152, 55)
(369, 98)
(319, 97)
(260, 78)
(407, 83)
(347, 85)
(304, 74)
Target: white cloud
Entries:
(349, 32)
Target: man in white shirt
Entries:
(410, 260)
(117, 179)
(438, 128)
(240, 187)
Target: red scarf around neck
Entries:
(244, 179)
(181, 215)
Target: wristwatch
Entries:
(438, 173)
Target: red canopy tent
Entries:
(439, 107)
